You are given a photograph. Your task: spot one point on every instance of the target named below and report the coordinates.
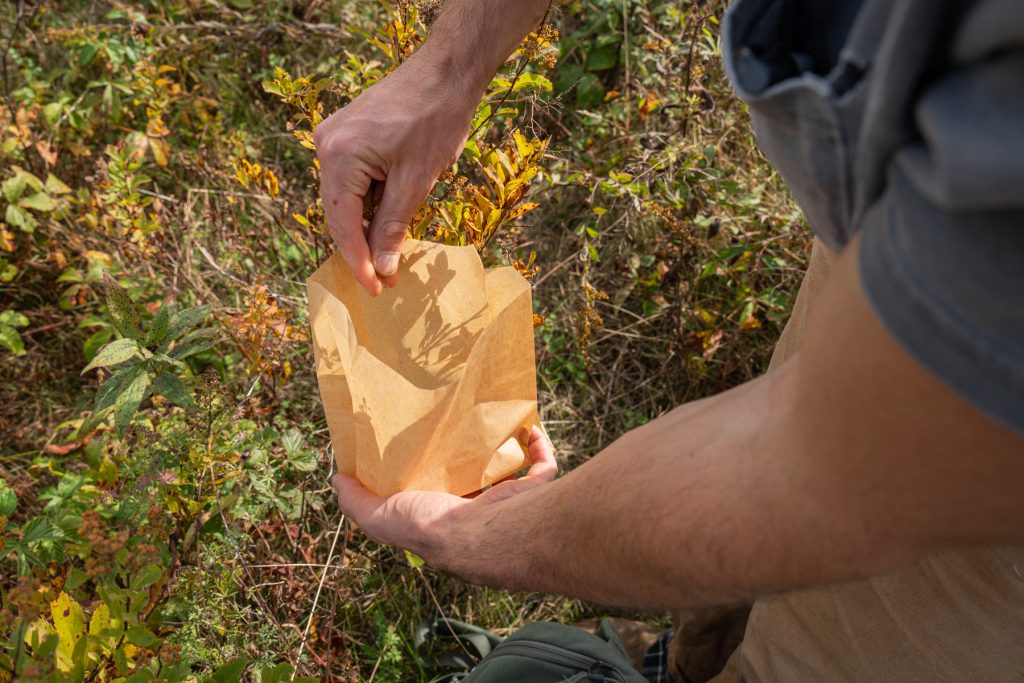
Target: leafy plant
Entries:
(145, 360)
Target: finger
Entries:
(355, 501)
(344, 212)
(391, 222)
(542, 456)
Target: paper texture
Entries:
(432, 384)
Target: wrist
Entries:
(463, 79)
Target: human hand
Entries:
(429, 523)
(403, 132)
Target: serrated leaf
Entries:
(69, 623)
(117, 351)
(158, 328)
(186, 320)
(40, 201)
(121, 308)
(173, 389)
(128, 401)
(8, 499)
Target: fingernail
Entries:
(387, 263)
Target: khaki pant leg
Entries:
(704, 639)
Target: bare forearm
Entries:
(471, 39)
(847, 461)
(694, 508)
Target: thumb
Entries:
(391, 222)
(354, 500)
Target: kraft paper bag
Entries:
(432, 384)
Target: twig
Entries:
(316, 598)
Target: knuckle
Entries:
(392, 230)
(336, 145)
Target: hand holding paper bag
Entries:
(432, 384)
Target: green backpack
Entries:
(537, 653)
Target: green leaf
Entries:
(52, 112)
(158, 328)
(20, 218)
(589, 91)
(8, 499)
(97, 339)
(415, 561)
(87, 54)
(602, 57)
(40, 201)
(276, 674)
(533, 82)
(117, 351)
(149, 575)
(141, 636)
(112, 387)
(182, 352)
(11, 340)
(13, 187)
(76, 578)
(183, 321)
(69, 622)
(7, 270)
(173, 389)
(128, 402)
(13, 319)
(122, 310)
(230, 672)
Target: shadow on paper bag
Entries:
(431, 385)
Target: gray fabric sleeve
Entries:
(942, 251)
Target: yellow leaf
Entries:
(69, 622)
(100, 620)
(270, 183)
(521, 209)
(159, 149)
(37, 633)
(522, 146)
(55, 186)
